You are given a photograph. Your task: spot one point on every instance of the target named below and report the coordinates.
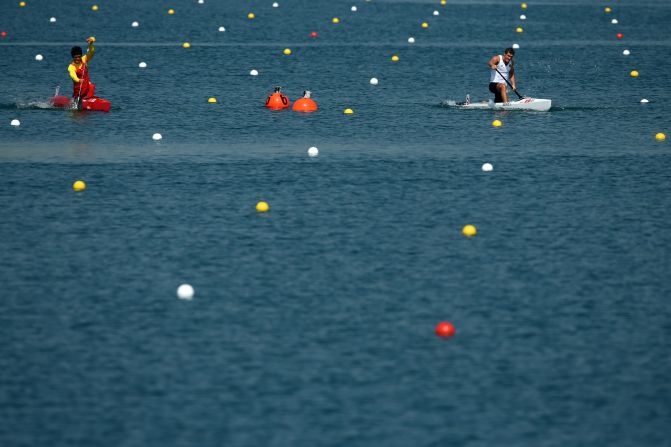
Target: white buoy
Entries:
(142, 65)
(39, 57)
(373, 81)
(185, 292)
(523, 17)
(313, 151)
(200, 2)
(614, 22)
(135, 24)
(353, 8)
(487, 167)
(626, 52)
(157, 136)
(436, 13)
(15, 123)
(52, 20)
(516, 46)
(276, 5)
(644, 101)
(254, 73)
(411, 40)
(222, 29)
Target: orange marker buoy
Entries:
(305, 104)
(445, 329)
(277, 101)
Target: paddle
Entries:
(508, 82)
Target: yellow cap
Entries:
(469, 231)
(186, 45)
(607, 9)
(262, 207)
(251, 15)
(22, 4)
(425, 25)
(335, 20)
(79, 185)
(94, 7)
(523, 5)
(497, 123)
(519, 29)
(443, 2)
(394, 58)
(348, 111)
(660, 137)
(634, 74)
(92, 39)
(287, 51)
(212, 100)
(171, 11)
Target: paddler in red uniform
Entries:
(79, 71)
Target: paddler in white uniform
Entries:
(506, 71)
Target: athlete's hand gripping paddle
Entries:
(508, 82)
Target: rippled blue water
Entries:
(313, 324)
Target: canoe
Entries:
(92, 104)
(535, 104)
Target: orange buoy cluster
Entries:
(278, 101)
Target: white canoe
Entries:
(538, 105)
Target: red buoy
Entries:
(619, 35)
(277, 101)
(445, 329)
(313, 34)
(305, 104)
(4, 34)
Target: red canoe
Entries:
(94, 103)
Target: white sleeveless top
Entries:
(503, 68)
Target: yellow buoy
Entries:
(22, 4)
(251, 16)
(171, 11)
(634, 74)
(660, 137)
(469, 231)
(335, 20)
(212, 100)
(425, 25)
(79, 185)
(287, 51)
(607, 9)
(519, 30)
(443, 2)
(497, 123)
(348, 111)
(394, 58)
(186, 45)
(523, 6)
(94, 7)
(262, 207)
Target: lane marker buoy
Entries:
(253, 73)
(487, 167)
(185, 292)
(79, 185)
(660, 137)
(15, 123)
(445, 329)
(497, 123)
(469, 230)
(373, 81)
(142, 65)
(157, 137)
(135, 24)
(262, 207)
(313, 151)
(348, 111)
(411, 40)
